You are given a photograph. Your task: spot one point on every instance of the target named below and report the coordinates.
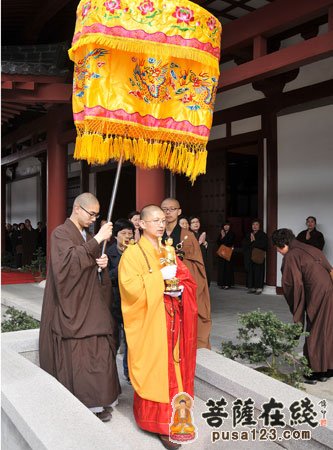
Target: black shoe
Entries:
(321, 376)
(108, 409)
(104, 416)
(316, 376)
(167, 443)
(310, 379)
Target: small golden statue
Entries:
(169, 259)
(182, 427)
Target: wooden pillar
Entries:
(84, 177)
(330, 18)
(270, 130)
(259, 47)
(3, 207)
(56, 173)
(43, 187)
(150, 187)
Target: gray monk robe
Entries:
(77, 343)
(308, 288)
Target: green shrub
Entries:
(6, 259)
(38, 264)
(18, 320)
(266, 339)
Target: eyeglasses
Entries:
(91, 214)
(169, 209)
(157, 222)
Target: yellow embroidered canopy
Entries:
(145, 80)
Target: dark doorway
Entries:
(242, 198)
(229, 190)
(242, 185)
(73, 190)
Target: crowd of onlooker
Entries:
(22, 241)
(254, 247)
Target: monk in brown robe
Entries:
(160, 326)
(77, 343)
(308, 289)
(193, 260)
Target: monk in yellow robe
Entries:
(161, 329)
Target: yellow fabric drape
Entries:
(145, 79)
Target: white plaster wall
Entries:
(311, 74)
(218, 132)
(24, 200)
(305, 173)
(246, 125)
(236, 96)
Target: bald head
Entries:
(171, 208)
(170, 200)
(86, 199)
(148, 211)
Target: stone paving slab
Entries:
(225, 307)
(123, 419)
(25, 297)
(78, 427)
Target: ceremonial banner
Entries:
(145, 80)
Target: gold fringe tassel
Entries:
(150, 48)
(188, 159)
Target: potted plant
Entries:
(266, 339)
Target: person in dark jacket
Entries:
(183, 222)
(123, 232)
(134, 217)
(29, 242)
(255, 272)
(201, 236)
(225, 272)
(311, 235)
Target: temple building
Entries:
(270, 152)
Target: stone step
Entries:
(123, 422)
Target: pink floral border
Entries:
(140, 34)
(148, 120)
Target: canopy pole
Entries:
(113, 199)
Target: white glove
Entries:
(169, 272)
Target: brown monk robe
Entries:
(194, 262)
(77, 342)
(308, 289)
